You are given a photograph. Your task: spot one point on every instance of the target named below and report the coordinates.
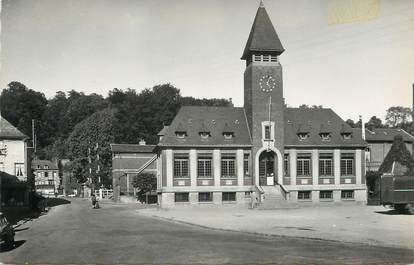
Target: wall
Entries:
(126, 165)
(16, 153)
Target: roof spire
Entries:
(262, 37)
(261, 3)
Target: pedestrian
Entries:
(93, 198)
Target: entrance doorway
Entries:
(267, 168)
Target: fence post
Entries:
(100, 193)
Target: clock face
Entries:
(267, 83)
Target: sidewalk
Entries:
(374, 225)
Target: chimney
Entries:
(362, 127)
(142, 142)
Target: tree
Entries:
(19, 105)
(304, 106)
(398, 115)
(218, 102)
(145, 183)
(350, 123)
(92, 138)
(398, 153)
(80, 106)
(143, 115)
(373, 123)
(354, 124)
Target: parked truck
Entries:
(397, 190)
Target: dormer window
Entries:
(204, 132)
(204, 135)
(346, 132)
(46, 167)
(228, 132)
(347, 136)
(303, 136)
(303, 131)
(325, 136)
(181, 135)
(228, 135)
(180, 132)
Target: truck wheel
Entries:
(400, 208)
(410, 208)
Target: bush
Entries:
(145, 183)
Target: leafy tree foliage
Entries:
(304, 106)
(69, 123)
(219, 102)
(144, 182)
(398, 153)
(373, 123)
(19, 105)
(91, 138)
(398, 115)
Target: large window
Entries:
(228, 197)
(19, 169)
(246, 165)
(325, 165)
(286, 165)
(228, 165)
(205, 196)
(204, 166)
(303, 163)
(304, 195)
(181, 166)
(267, 132)
(347, 194)
(325, 195)
(181, 197)
(347, 164)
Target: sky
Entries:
(354, 56)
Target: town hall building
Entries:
(263, 152)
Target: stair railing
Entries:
(284, 191)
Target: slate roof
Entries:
(317, 121)
(387, 135)
(132, 148)
(163, 130)
(43, 163)
(8, 131)
(192, 119)
(263, 36)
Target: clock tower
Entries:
(263, 99)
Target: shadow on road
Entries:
(41, 209)
(18, 243)
(52, 202)
(392, 212)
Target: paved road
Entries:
(74, 233)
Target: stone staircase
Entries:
(273, 199)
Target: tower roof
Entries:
(263, 36)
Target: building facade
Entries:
(263, 152)
(380, 142)
(129, 160)
(13, 150)
(47, 179)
